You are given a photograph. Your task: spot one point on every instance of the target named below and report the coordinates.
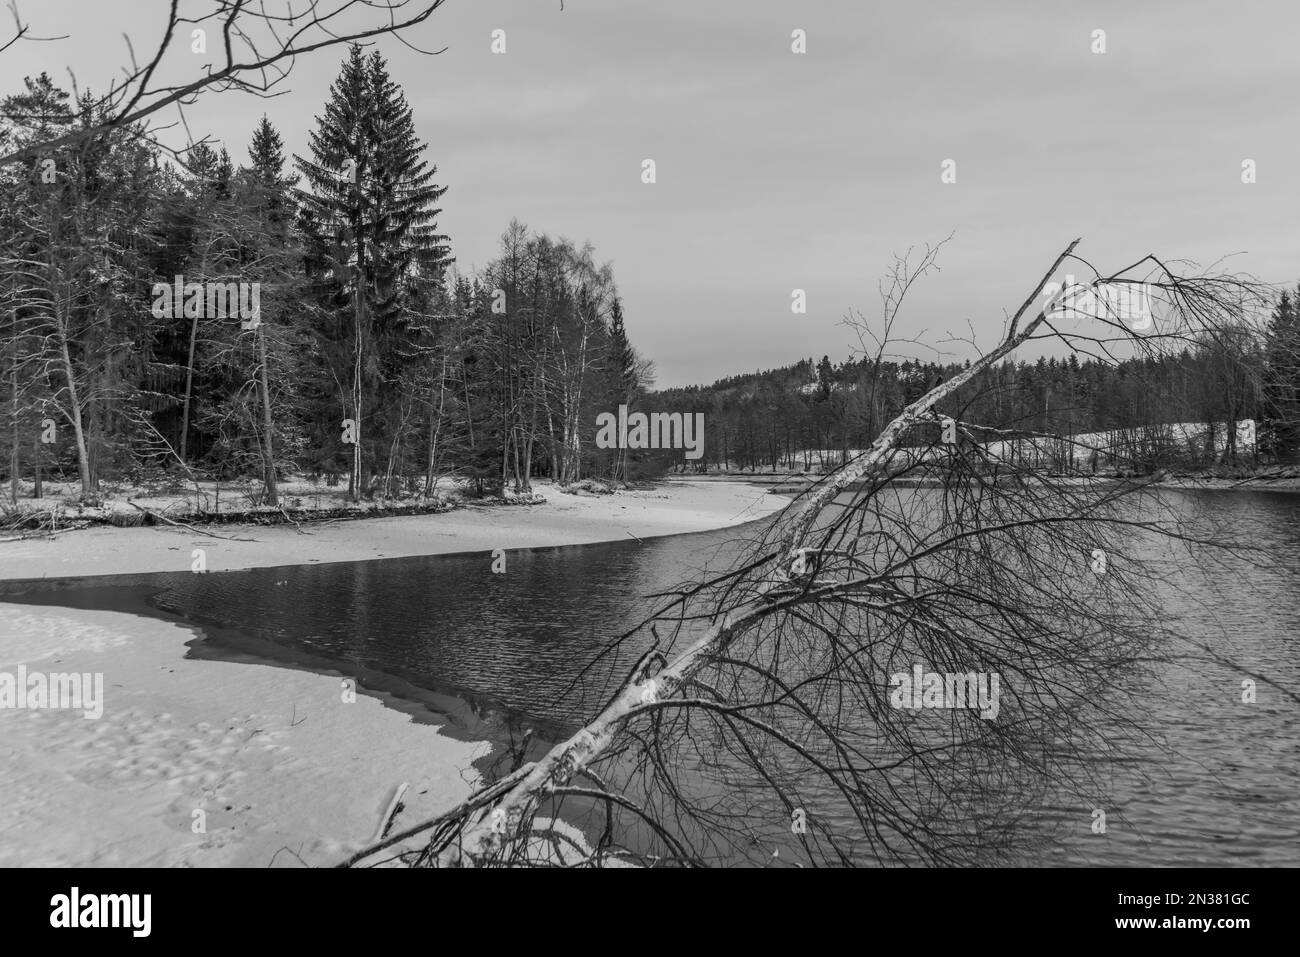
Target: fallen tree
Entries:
(764, 710)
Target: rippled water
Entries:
(1225, 787)
(1219, 785)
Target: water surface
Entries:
(500, 652)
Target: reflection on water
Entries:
(510, 644)
(1224, 788)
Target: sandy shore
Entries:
(210, 763)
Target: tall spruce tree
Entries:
(1279, 432)
(622, 356)
(370, 228)
(266, 166)
(265, 204)
(623, 377)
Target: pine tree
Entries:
(622, 372)
(1279, 430)
(266, 156)
(207, 219)
(370, 226)
(210, 172)
(824, 378)
(409, 247)
(622, 356)
(268, 351)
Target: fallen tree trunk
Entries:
(787, 583)
(557, 768)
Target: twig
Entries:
(291, 851)
(476, 801)
(295, 524)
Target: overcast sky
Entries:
(779, 171)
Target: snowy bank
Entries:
(200, 763)
(565, 519)
(210, 763)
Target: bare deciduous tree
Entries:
(259, 41)
(757, 715)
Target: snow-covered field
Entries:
(1188, 439)
(1191, 439)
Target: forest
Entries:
(807, 415)
(370, 360)
(320, 327)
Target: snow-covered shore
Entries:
(282, 767)
(199, 763)
(565, 519)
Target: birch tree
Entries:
(754, 716)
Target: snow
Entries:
(284, 771)
(272, 757)
(675, 508)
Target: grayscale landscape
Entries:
(730, 434)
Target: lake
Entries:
(501, 653)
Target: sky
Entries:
(778, 170)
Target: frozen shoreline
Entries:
(282, 767)
(565, 519)
(273, 757)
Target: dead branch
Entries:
(197, 531)
(259, 47)
(780, 664)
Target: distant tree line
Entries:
(809, 413)
(370, 360)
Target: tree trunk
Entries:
(435, 430)
(74, 414)
(189, 385)
(268, 446)
(13, 422)
(358, 324)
